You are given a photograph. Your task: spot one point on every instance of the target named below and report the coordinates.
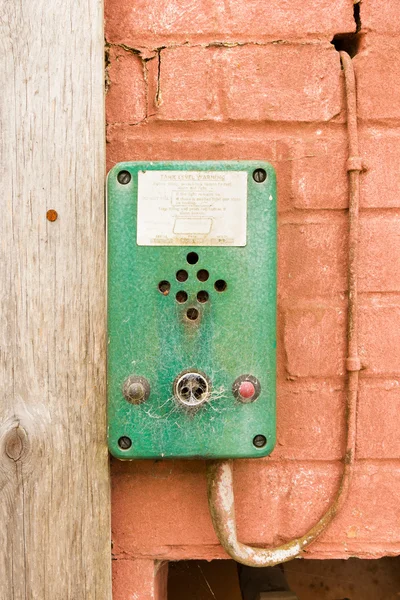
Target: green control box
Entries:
(191, 309)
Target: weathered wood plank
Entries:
(54, 488)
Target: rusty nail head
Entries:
(51, 215)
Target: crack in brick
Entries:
(143, 50)
(357, 15)
(158, 96)
(146, 54)
(107, 63)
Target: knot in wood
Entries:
(15, 443)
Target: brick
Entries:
(379, 336)
(366, 521)
(276, 82)
(126, 96)
(312, 257)
(282, 82)
(187, 141)
(315, 341)
(381, 16)
(304, 491)
(141, 579)
(379, 250)
(189, 84)
(275, 501)
(310, 421)
(153, 507)
(317, 165)
(291, 18)
(305, 494)
(158, 22)
(278, 500)
(378, 79)
(378, 423)
(310, 170)
(381, 181)
(149, 22)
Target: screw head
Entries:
(259, 441)
(124, 177)
(259, 175)
(136, 392)
(124, 442)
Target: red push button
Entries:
(247, 389)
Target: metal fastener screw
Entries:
(259, 441)
(136, 389)
(260, 175)
(124, 442)
(135, 392)
(124, 177)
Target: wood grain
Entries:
(54, 483)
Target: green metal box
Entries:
(191, 309)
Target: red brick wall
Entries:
(247, 79)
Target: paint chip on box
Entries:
(192, 208)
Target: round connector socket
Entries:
(192, 389)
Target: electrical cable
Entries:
(219, 472)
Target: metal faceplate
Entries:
(191, 309)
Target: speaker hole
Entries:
(181, 296)
(182, 275)
(202, 296)
(203, 275)
(192, 314)
(192, 258)
(220, 285)
(164, 287)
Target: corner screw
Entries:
(124, 177)
(124, 442)
(259, 175)
(259, 441)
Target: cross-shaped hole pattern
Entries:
(202, 296)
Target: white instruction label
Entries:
(192, 208)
